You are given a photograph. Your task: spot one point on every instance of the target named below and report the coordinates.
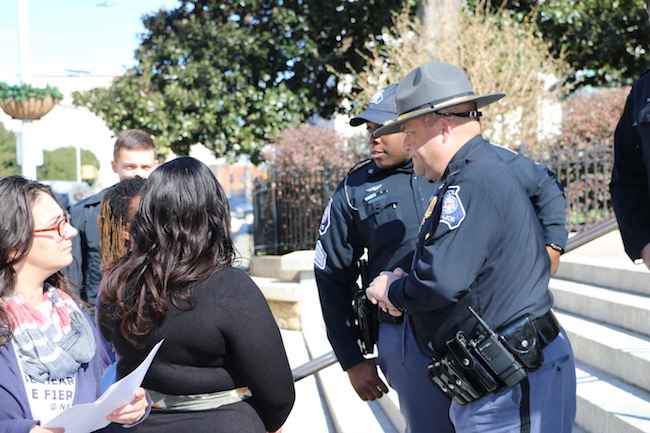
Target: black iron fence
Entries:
(585, 178)
(288, 208)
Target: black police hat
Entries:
(381, 108)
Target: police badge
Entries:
(453, 211)
(429, 211)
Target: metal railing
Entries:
(594, 232)
(288, 208)
(585, 176)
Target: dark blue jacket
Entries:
(629, 186)
(15, 414)
(481, 245)
(381, 210)
(85, 272)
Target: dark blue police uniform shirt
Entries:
(381, 210)
(630, 182)
(480, 246)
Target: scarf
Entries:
(50, 346)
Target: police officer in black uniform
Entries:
(379, 206)
(477, 291)
(630, 186)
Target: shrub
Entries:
(308, 150)
(498, 53)
(305, 165)
(589, 118)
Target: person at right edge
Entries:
(477, 291)
(629, 185)
(379, 206)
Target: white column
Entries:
(25, 148)
(29, 150)
(24, 48)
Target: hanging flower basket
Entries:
(25, 102)
(30, 109)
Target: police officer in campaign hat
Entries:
(477, 290)
(630, 187)
(379, 207)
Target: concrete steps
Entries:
(607, 405)
(308, 409)
(625, 310)
(349, 413)
(609, 349)
(284, 298)
(603, 304)
(605, 273)
(602, 300)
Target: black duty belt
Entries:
(488, 361)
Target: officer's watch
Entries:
(556, 247)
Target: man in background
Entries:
(134, 154)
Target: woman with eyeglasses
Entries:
(222, 367)
(49, 356)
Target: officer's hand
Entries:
(399, 272)
(645, 255)
(365, 380)
(554, 256)
(377, 292)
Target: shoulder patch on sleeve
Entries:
(325, 220)
(320, 256)
(453, 211)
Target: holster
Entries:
(365, 322)
(526, 338)
(365, 313)
(460, 373)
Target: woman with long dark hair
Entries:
(222, 367)
(49, 356)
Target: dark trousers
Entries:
(424, 407)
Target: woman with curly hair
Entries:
(222, 367)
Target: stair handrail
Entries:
(576, 241)
(313, 366)
(592, 233)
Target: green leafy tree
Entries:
(606, 42)
(232, 74)
(8, 164)
(60, 164)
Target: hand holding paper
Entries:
(119, 402)
(131, 412)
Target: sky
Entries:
(98, 36)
